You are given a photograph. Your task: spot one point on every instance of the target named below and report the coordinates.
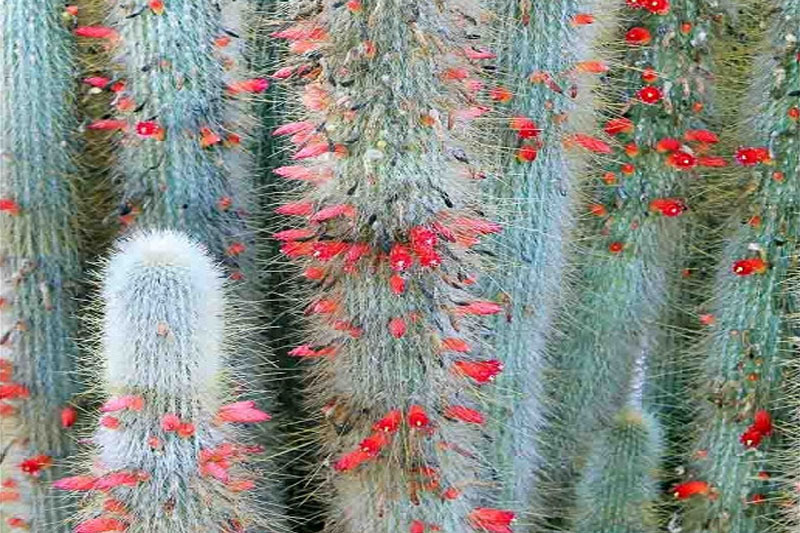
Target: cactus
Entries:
(175, 106)
(169, 457)
(619, 491)
(538, 200)
(387, 163)
(632, 238)
(747, 348)
(39, 261)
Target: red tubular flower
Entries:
(670, 207)
(34, 465)
(68, 416)
(749, 156)
(762, 422)
(527, 153)
(120, 479)
(7, 205)
(390, 422)
(464, 414)
(107, 125)
(681, 160)
(751, 438)
(397, 327)
(453, 344)
(417, 417)
(351, 460)
(76, 483)
(491, 520)
(255, 85)
(690, 488)
(295, 209)
(397, 284)
(659, 7)
(668, 144)
(703, 136)
(244, 412)
(480, 371)
(746, 267)
(479, 307)
(638, 35)
(95, 32)
(615, 126)
(101, 525)
(13, 391)
(593, 144)
(649, 95)
(400, 258)
(374, 443)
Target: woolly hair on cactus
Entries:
(39, 261)
(790, 461)
(536, 192)
(388, 204)
(748, 346)
(635, 220)
(169, 454)
(619, 488)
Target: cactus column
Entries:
(631, 240)
(747, 350)
(536, 192)
(169, 457)
(39, 262)
(389, 210)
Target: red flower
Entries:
(491, 520)
(256, 85)
(751, 438)
(593, 144)
(417, 417)
(9, 206)
(400, 258)
(746, 267)
(690, 488)
(500, 94)
(149, 129)
(527, 153)
(762, 422)
(12, 391)
(68, 417)
(659, 7)
(616, 247)
(397, 284)
(327, 250)
(464, 414)
(390, 422)
(703, 136)
(33, 465)
(681, 160)
(244, 412)
(75, 483)
(480, 371)
(397, 327)
(296, 209)
(101, 525)
(668, 144)
(670, 207)
(638, 35)
(615, 126)
(351, 460)
(454, 344)
(749, 156)
(95, 32)
(649, 95)
(479, 307)
(374, 443)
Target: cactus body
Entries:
(39, 262)
(747, 351)
(169, 456)
(538, 201)
(618, 492)
(631, 240)
(384, 154)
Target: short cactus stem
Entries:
(169, 454)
